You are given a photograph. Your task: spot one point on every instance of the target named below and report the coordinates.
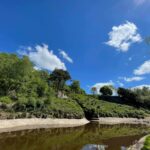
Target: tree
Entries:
(94, 90)
(143, 96)
(14, 72)
(75, 87)
(122, 91)
(106, 91)
(58, 79)
(128, 95)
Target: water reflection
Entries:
(99, 147)
(102, 136)
(123, 148)
(94, 147)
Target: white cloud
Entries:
(43, 58)
(120, 84)
(136, 78)
(36, 68)
(99, 85)
(143, 69)
(140, 2)
(122, 36)
(65, 55)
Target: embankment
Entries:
(34, 123)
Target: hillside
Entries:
(28, 93)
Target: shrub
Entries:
(31, 104)
(39, 104)
(20, 105)
(5, 100)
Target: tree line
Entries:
(137, 97)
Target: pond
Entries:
(92, 136)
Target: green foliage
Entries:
(147, 144)
(94, 108)
(31, 104)
(75, 87)
(8, 85)
(62, 108)
(137, 97)
(127, 95)
(26, 92)
(5, 100)
(58, 78)
(20, 105)
(106, 91)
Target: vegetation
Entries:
(26, 93)
(137, 97)
(146, 144)
(58, 78)
(106, 91)
(94, 107)
(75, 87)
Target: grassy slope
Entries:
(147, 144)
(77, 106)
(93, 106)
(53, 108)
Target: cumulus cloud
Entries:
(121, 37)
(43, 58)
(65, 55)
(136, 78)
(143, 69)
(99, 85)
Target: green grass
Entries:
(76, 106)
(65, 108)
(147, 144)
(93, 107)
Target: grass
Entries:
(76, 106)
(147, 144)
(93, 107)
(65, 108)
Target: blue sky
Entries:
(99, 42)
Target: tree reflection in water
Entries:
(77, 138)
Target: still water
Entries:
(92, 136)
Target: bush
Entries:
(20, 105)
(31, 104)
(5, 100)
(39, 104)
(62, 108)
